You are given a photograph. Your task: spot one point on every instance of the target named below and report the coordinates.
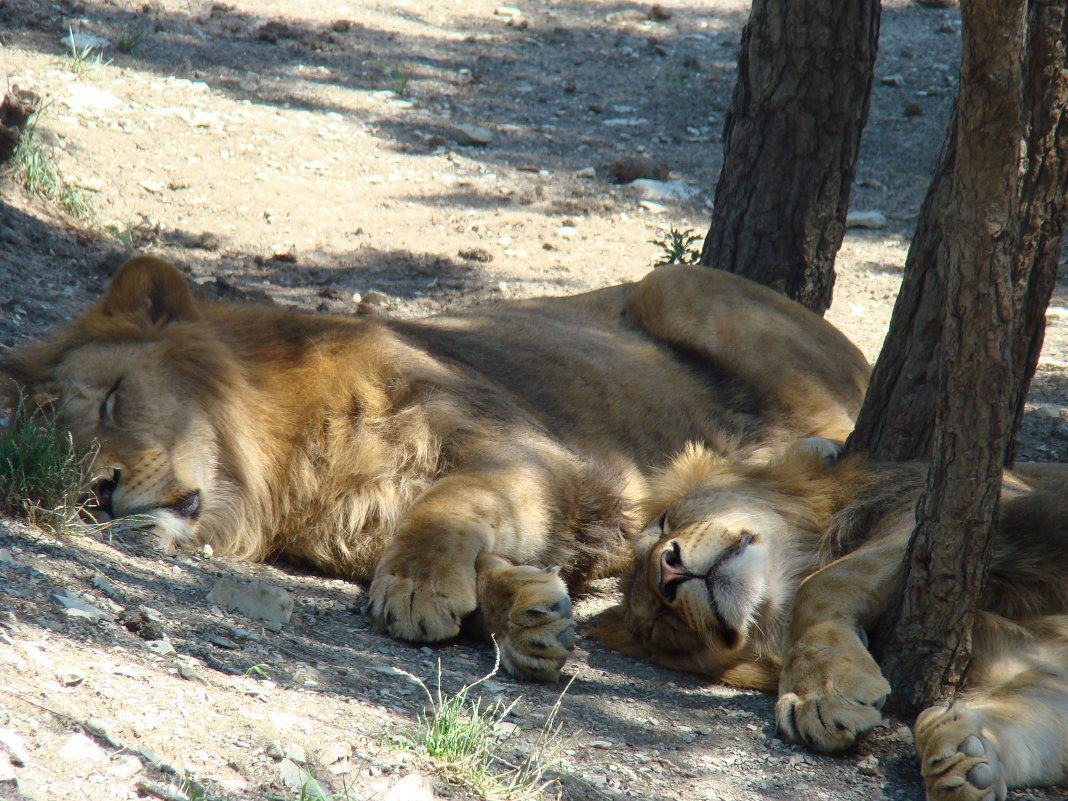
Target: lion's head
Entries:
(716, 570)
(142, 377)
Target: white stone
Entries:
(334, 752)
(80, 748)
(257, 600)
(84, 41)
(649, 189)
(74, 606)
(413, 787)
(466, 133)
(125, 766)
(89, 98)
(866, 219)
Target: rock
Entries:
(74, 606)
(892, 80)
(80, 748)
(507, 11)
(298, 778)
(160, 647)
(295, 751)
(912, 110)
(274, 750)
(6, 559)
(223, 642)
(567, 231)
(902, 734)
(658, 13)
(155, 187)
(868, 766)
(125, 767)
(167, 792)
(1050, 410)
(100, 582)
(334, 752)
(866, 219)
(586, 172)
(137, 620)
(84, 41)
(1057, 312)
(413, 787)
(375, 298)
(88, 98)
(476, 254)
(466, 133)
(70, 678)
(629, 168)
(652, 207)
(257, 600)
(648, 189)
(11, 742)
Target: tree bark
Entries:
(1043, 190)
(801, 99)
(897, 420)
(924, 640)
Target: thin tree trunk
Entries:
(1043, 190)
(897, 420)
(925, 640)
(801, 99)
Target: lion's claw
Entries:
(420, 610)
(532, 620)
(831, 691)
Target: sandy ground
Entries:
(318, 156)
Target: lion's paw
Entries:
(539, 633)
(421, 609)
(957, 762)
(831, 692)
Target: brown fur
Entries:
(822, 552)
(402, 451)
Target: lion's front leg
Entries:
(527, 611)
(425, 582)
(831, 691)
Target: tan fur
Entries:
(409, 453)
(778, 528)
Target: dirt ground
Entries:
(319, 156)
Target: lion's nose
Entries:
(672, 570)
(187, 505)
(103, 492)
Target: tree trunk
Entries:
(1043, 190)
(801, 99)
(897, 420)
(924, 640)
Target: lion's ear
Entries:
(149, 287)
(612, 630)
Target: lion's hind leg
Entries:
(527, 610)
(1010, 728)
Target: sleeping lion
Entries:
(736, 580)
(473, 466)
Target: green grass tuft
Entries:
(35, 168)
(466, 738)
(44, 478)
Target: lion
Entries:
(473, 466)
(738, 579)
